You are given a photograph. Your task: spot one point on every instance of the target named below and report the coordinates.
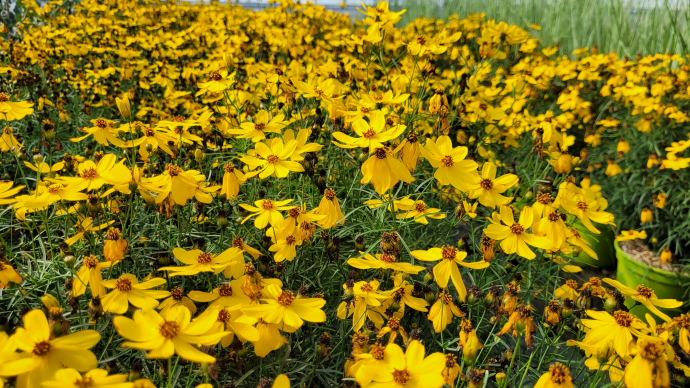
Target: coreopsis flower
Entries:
(383, 261)
(198, 261)
(373, 133)
(90, 275)
(256, 129)
(54, 193)
(627, 235)
(553, 228)
(384, 170)
(285, 242)
(520, 321)
(11, 110)
(229, 295)
(411, 369)
(442, 312)
(85, 226)
(45, 168)
(9, 142)
(127, 290)
(218, 81)
(177, 298)
(367, 297)
(666, 256)
(97, 378)
(410, 151)
(451, 166)
(103, 131)
(552, 312)
(613, 168)
(617, 329)
(51, 355)
(183, 184)
(233, 323)
(93, 176)
(11, 362)
(330, 208)
(283, 307)
(169, 333)
(8, 274)
(270, 338)
(490, 187)
(418, 211)
(322, 91)
(452, 370)
(558, 376)
(646, 297)
(273, 159)
(649, 368)
(422, 45)
(447, 268)
(238, 242)
(268, 212)
(115, 246)
(646, 216)
(514, 236)
(586, 207)
(124, 106)
(381, 14)
(233, 178)
(151, 141)
(660, 200)
(682, 322)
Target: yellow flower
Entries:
(649, 368)
(127, 290)
(330, 208)
(587, 208)
(10, 110)
(627, 235)
(283, 307)
(85, 226)
(683, 324)
(11, 362)
(90, 275)
(103, 132)
(384, 170)
(8, 142)
(153, 139)
(373, 134)
(96, 378)
(646, 296)
(490, 187)
(285, 242)
(384, 261)
(177, 298)
(168, 333)
(232, 180)
(666, 256)
(218, 81)
(198, 261)
(418, 210)
(558, 376)
(256, 130)
(442, 312)
(115, 246)
(615, 330)
(124, 106)
(8, 274)
(267, 211)
(660, 200)
(409, 370)
(228, 295)
(50, 355)
(273, 159)
(514, 235)
(233, 323)
(646, 216)
(447, 268)
(450, 163)
(93, 176)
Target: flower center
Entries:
(273, 159)
(238, 242)
(553, 217)
(177, 294)
(229, 168)
(114, 234)
(149, 132)
(290, 240)
(517, 229)
(367, 288)
(623, 318)
(42, 348)
(329, 194)
(652, 350)
(54, 189)
(101, 123)
(216, 76)
(174, 170)
(260, 126)
(170, 329)
(386, 258)
(378, 352)
(445, 298)
(450, 360)
(267, 204)
(4, 97)
(295, 212)
(123, 285)
(486, 184)
(401, 377)
(225, 290)
(449, 253)
(448, 161)
(582, 205)
(645, 291)
(421, 39)
(84, 382)
(286, 298)
(369, 134)
(223, 315)
(319, 91)
(205, 258)
(91, 261)
(90, 173)
(559, 373)
(364, 110)
(545, 199)
(380, 153)
(420, 207)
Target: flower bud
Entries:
(124, 106)
(646, 215)
(471, 348)
(69, 261)
(501, 378)
(666, 256)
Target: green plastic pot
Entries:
(602, 245)
(666, 285)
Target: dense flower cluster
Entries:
(202, 171)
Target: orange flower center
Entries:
(450, 360)
(114, 234)
(369, 134)
(286, 298)
(623, 318)
(90, 173)
(42, 348)
(177, 294)
(273, 159)
(421, 39)
(91, 261)
(449, 253)
(290, 240)
(205, 258)
(545, 199)
(378, 352)
(386, 258)
(645, 291)
(367, 288)
(4, 97)
(225, 290)
(517, 229)
(329, 194)
(267, 204)
(420, 207)
(101, 123)
(174, 170)
(123, 285)
(448, 161)
(238, 242)
(559, 373)
(149, 132)
(295, 212)
(582, 205)
(54, 189)
(170, 329)
(229, 168)
(84, 382)
(486, 184)
(445, 298)
(260, 126)
(652, 350)
(381, 153)
(216, 76)
(319, 91)
(553, 217)
(401, 377)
